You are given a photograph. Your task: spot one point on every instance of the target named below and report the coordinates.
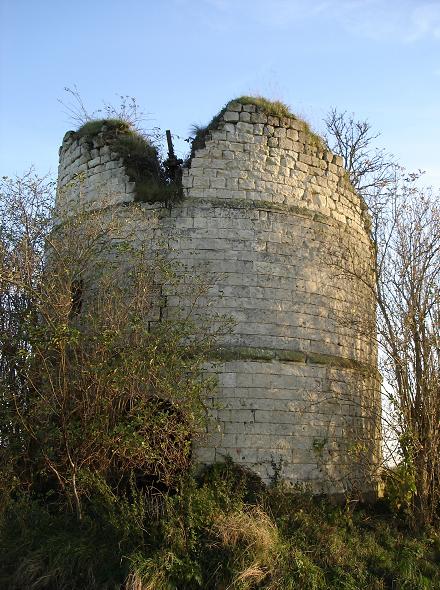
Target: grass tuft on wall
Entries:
(272, 108)
(139, 155)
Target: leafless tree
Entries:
(406, 235)
(371, 168)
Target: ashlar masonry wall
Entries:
(91, 175)
(270, 213)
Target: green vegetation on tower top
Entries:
(140, 158)
(276, 108)
(273, 108)
(94, 127)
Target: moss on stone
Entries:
(293, 356)
(315, 358)
(234, 353)
(94, 127)
(139, 156)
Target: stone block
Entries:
(187, 181)
(279, 132)
(258, 117)
(274, 121)
(247, 128)
(218, 182)
(201, 181)
(231, 116)
(292, 134)
(94, 162)
(235, 107)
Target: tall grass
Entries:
(223, 530)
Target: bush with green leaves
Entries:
(222, 529)
(91, 382)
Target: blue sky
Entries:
(183, 59)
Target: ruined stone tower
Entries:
(271, 212)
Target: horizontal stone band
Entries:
(263, 206)
(164, 210)
(233, 353)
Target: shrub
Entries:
(205, 536)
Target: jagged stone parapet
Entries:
(90, 173)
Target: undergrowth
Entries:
(221, 530)
(140, 158)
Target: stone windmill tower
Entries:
(270, 211)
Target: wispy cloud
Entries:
(401, 21)
(277, 14)
(425, 21)
(405, 21)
